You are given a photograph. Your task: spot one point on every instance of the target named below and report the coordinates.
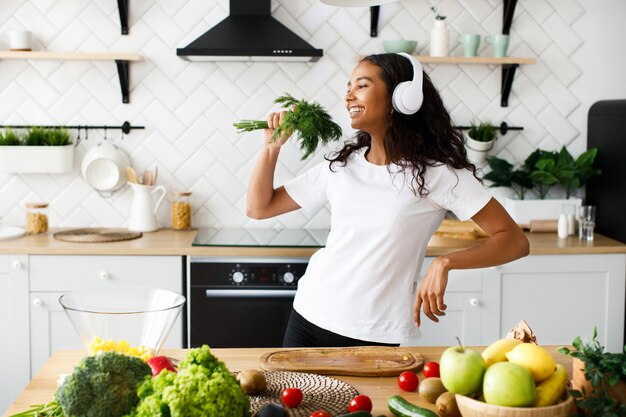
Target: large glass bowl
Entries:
(134, 320)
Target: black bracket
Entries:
(509, 11)
(508, 73)
(122, 71)
(122, 7)
(374, 13)
(503, 128)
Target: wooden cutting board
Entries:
(359, 361)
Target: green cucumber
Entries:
(357, 414)
(402, 408)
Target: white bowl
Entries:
(104, 167)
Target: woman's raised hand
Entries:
(273, 121)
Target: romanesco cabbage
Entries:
(203, 387)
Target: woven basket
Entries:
(319, 393)
(96, 235)
(473, 408)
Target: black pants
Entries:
(302, 333)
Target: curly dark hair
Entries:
(417, 141)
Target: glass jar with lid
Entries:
(36, 218)
(181, 210)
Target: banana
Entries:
(550, 390)
(495, 352)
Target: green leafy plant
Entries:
(36, 136)
(57, 137)
(503, 174)
(603, 370)
(483, 132)
(9, 138)
(551, 168)
(437, 15)
(309, 121)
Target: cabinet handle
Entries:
(104, 275)
(474, 302)
(17, 264)
(37, 302)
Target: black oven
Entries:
(241, 302)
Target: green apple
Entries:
(461, 370)
(509, 384)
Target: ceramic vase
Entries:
(439, 39)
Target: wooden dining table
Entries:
(43, 385)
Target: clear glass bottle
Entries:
(36, 218)
(181, 210)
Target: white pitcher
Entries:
(143, 210)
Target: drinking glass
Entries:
(587, 222)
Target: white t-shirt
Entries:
(362, 283)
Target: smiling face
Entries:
(367, 99)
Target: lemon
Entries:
(535, 358)
(495, 352)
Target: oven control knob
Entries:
(238, 277)
(288, 277)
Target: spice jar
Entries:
(36, 218)
(181, 210)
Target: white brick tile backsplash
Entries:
(188, 108)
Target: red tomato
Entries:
(320, 413)
(360, 403)
(292, 397)
(408, 381)
(431, 370)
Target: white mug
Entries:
(19, 40)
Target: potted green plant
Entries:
(38, 150)
(598, 378)
(541, 171)
(479, 141)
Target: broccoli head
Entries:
(104, 385)
(203, 387)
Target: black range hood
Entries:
(249, 33)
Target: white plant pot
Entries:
(476, 157)
(37, 159)
(478, 145)
(523, 211)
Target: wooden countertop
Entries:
(178, 243)
(42, 387)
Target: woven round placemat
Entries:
(319, 393)
(96, 235)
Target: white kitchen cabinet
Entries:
(468, 313)
(51, 276)
(13, 327)
(562, 296)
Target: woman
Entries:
(388, 192)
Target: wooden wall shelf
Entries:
(121, 59)
(484, 60)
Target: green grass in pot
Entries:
(9, 138)
(57, 137)
(36, 136)
(483, 132)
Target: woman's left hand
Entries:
(430, 292)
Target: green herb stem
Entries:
(308, 120)
(51, 409)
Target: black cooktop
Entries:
(256, 237)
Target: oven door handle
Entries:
(250, 293)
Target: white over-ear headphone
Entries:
(407, 97)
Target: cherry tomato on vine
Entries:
(408, 381)
(431, 370)
(360, 403)
(292, 397)
(320, 413)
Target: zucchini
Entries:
(357, 414)
(402, 408)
